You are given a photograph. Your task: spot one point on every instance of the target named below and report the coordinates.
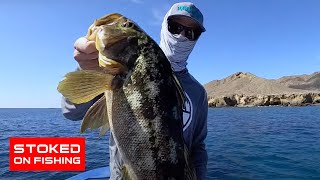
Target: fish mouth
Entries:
(112, 35)
(115, 50)
(104, 61)
(111, 66)
(104, 44)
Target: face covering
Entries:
(176, 47)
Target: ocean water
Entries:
(242, 143)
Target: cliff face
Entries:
(245, 89)
(265, 100)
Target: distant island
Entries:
(246, 90)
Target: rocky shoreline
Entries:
(241, 100)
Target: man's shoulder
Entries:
(192, 85)
(195, 83)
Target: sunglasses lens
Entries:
(174, 27)
(192, 34)
(189, 34)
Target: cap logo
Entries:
(184, 8)
(191, 11)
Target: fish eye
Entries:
(128, 24)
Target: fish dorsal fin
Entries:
(96, 117)
(84, 85)
(180, 91)
(189, 171)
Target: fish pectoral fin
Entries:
(96, 116)
(84, 85)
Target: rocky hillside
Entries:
(306, 82)
(246, 89)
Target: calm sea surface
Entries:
(242, 143)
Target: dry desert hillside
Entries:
(246, 89)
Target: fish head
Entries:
(116, 38)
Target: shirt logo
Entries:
(187, 112)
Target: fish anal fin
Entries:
(96, 116)
(104, 129)
(126, 174)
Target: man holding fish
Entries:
(181, 28)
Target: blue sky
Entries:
(269, 38)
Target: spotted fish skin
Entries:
(146, 118)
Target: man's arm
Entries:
(199, 153)
(116, 163)
(76, 112)
(86, 55)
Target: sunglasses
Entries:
(190, 33)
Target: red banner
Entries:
(47, 154)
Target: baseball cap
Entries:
(188, 9)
